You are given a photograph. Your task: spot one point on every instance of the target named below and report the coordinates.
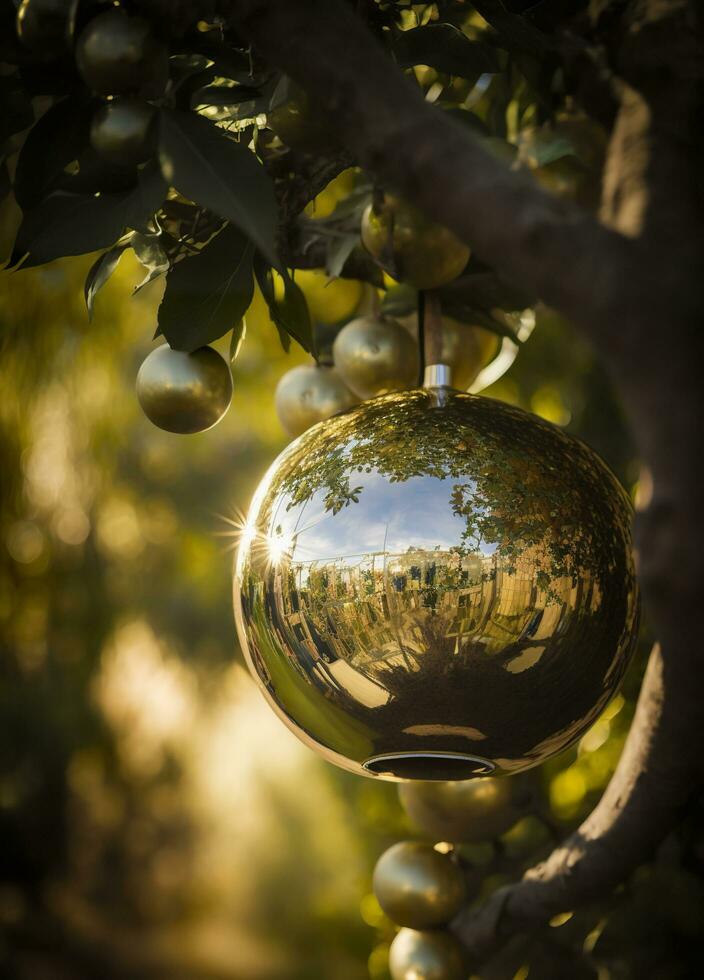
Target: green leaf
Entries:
(209, 167)
(238, 102)
(73, 224)
(99, 273)
(476, 317)
(146, 198)
(351, 207)
(290, 314)
(239, 332)
(208, 294)
(228, 60)
(338, 251)
(95, 175)
(15, 107)
(485, 290)
(223, 95)
(514, 32)
(548, 149)
(400, 300)
(149, 250)
(445, 48)
(189, 83)
(54, 141)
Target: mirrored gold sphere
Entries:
(436, 585)
(411, 248)
(182, 392)
(308, 394)
(430, 955)
(465, 348)
(470, 812)
(122, 131)
(418, 886)
(375, 355)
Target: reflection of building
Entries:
(381, 610)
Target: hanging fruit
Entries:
(409, 247)
(46, 26)
(459, 597)
(118, 55)
(418, 886)
(122, 131)
(297, 124)
(429, 955)
(465, 348)
(468, 812)
(308, 394)
(182, 392)
(375, 355)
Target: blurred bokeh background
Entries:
(156, 819)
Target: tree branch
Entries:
(653, 780)
(541, 243)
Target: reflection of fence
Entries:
(376, 610)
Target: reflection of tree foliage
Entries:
(519, 483)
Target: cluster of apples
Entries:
(372, 354)
(120, 59)
(422, 887)
(375, 354)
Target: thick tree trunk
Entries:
(634, 283)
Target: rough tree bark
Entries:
(632, 281)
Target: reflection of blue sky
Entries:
(388, 517)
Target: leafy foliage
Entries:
(288, 312)
(446, 48)
(217, 163)
(55, 141)
(206, 165)
(73, 224)
(99, 273)
(208, 293)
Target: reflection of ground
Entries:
(484, 655)
(377, 613)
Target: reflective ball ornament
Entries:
(308, 394)
(418, 886)
(436, 585)
(122, 131)
(429, 955)
(375, 355)
(117, 55)
(470, 812)
(411, 248)
(182, 392)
